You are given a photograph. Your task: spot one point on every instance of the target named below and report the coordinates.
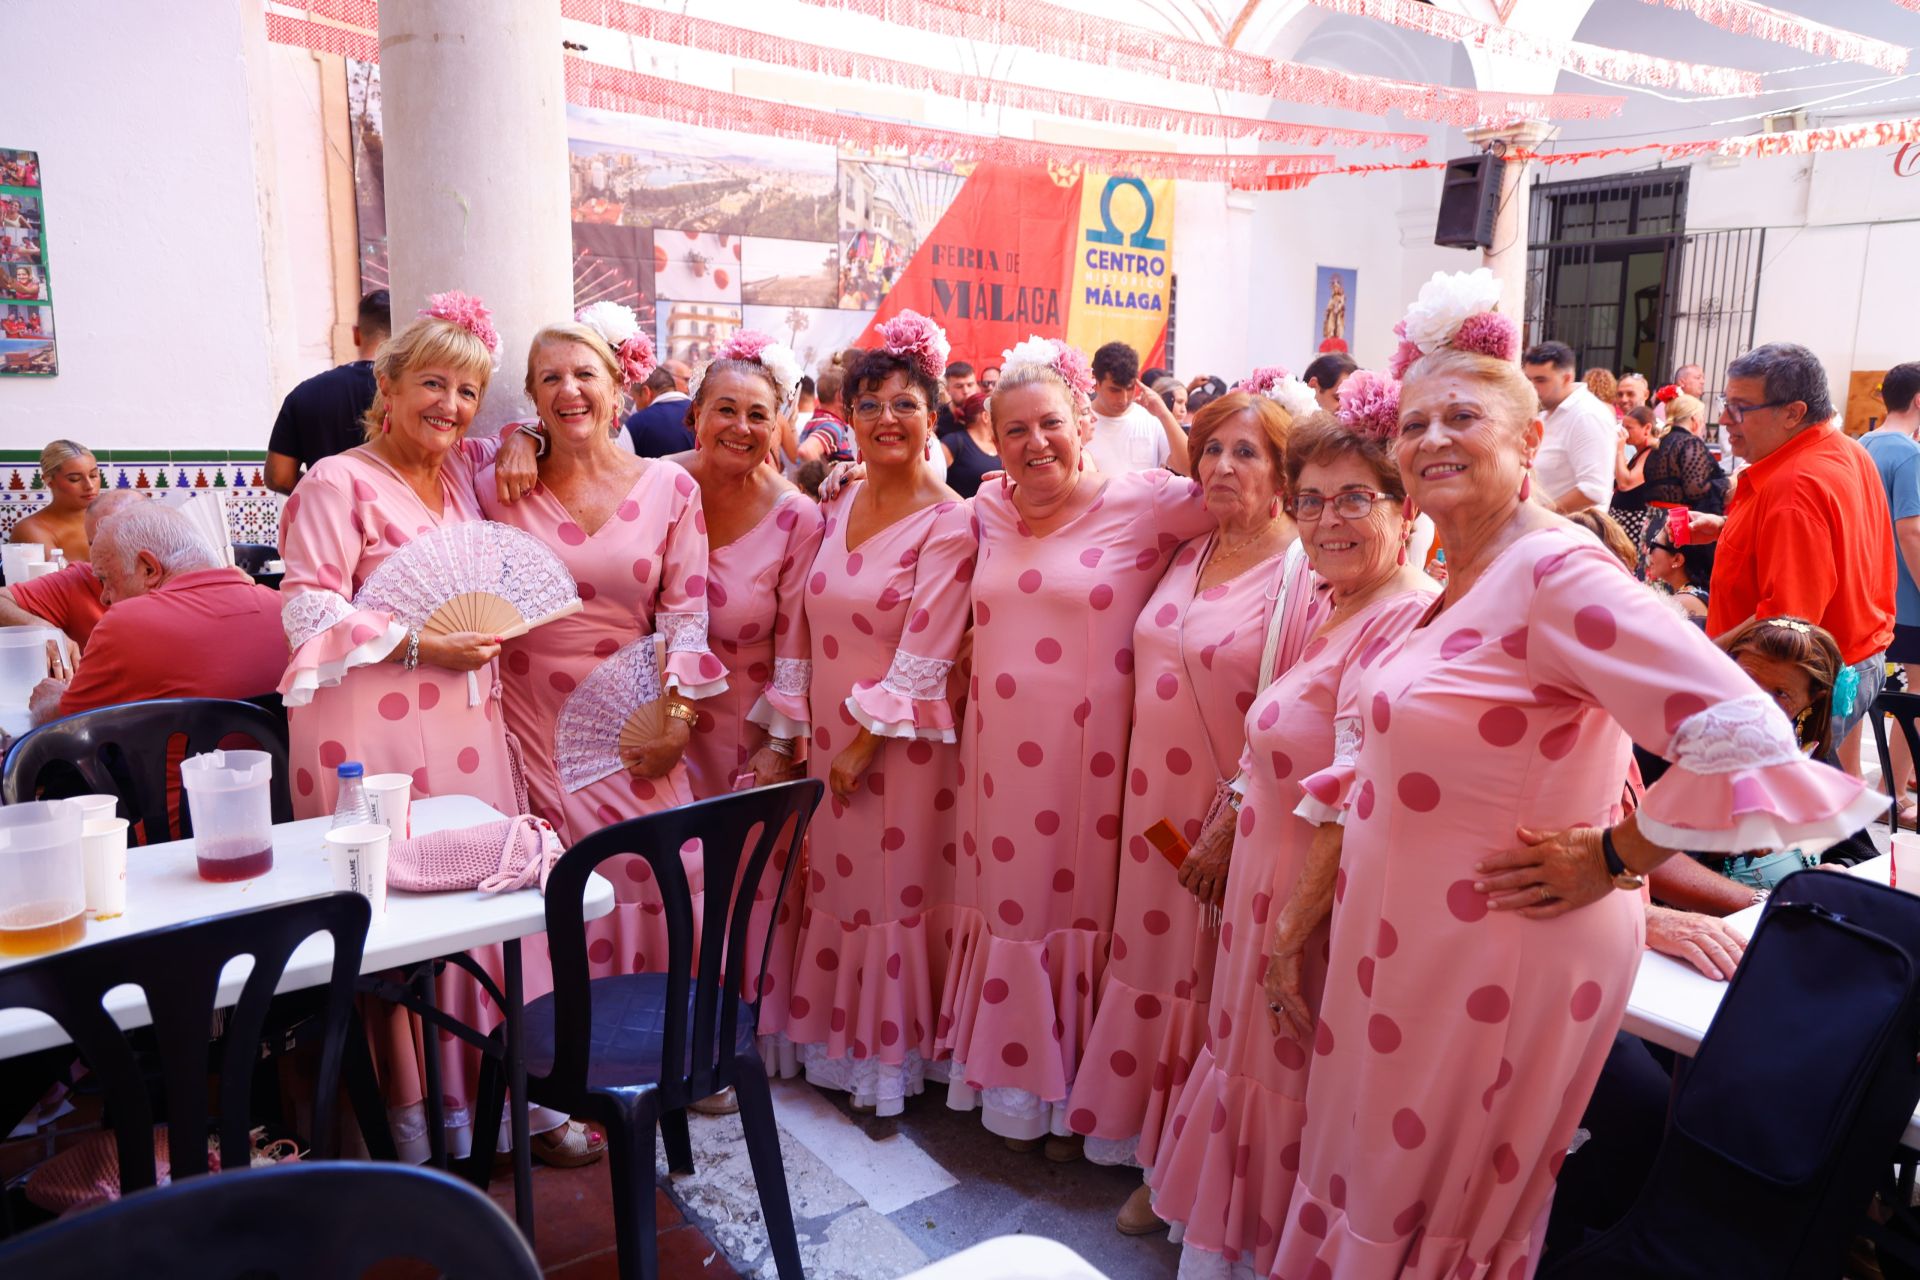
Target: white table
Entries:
(164, 888)
(1673, 1003)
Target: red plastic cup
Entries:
(1679, 526)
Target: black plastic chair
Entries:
(124, 750)
(633, 1051)
(252, 557)
(178, 967)
(291, 1221)
(1826, 1002)
(1905, 709)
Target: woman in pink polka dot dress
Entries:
(887, 604)
(1198, 648)
(1067, 558)
(1225, 1165)
(631, 533)
(349, 692)
(762, 534)
(1480, 958)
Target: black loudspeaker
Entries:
(1469, 198)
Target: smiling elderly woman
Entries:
(1067, 558)
(1474, 988)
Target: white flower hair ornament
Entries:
(1455, 310)
(620, 327)
(1051, 353)
(755, 347)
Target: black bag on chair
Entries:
(1790, 1114)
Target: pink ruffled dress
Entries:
(1456, 1047)
(346, 702)
(642, 572)
(886, 619)
(756, 609)
(1196, 666)
(1042, 787)
(1225, 1165)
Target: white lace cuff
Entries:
(1346, 739)
(792, 676)
(310, 613)
(922, 679)
(1750, 732)
(684, 632)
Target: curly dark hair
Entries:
(872, 368)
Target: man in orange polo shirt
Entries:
(180, 624)
(68, 598)
(1806, 534)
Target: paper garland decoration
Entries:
(1099, 40)
(843, 64)
(1742, 17)
(1587, 59)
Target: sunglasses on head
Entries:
(1667, 547)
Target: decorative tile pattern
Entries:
(253, 510)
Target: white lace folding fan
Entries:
(207, 512)
(611, 716)
(477, 575)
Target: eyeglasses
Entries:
(1348, 504)
(1667, 547)
(867, 408)
(1737, 413)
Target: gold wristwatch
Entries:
(1622, 878)
(681, 711)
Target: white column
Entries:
(474, 114)
(1507, 258)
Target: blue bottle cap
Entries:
(351, 769)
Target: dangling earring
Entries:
(1273, 509)
(929, 446)
(1526, 481)
(1404, 540)
(1083, 462)
(386, 421)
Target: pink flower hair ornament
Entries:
(1457, 310)
(918, 340)
(469, 313)
(754, 347)
(1262, 380)
(620, 327)
(1370, 404)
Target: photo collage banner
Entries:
(26, 287)
(703, 232)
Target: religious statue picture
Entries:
(1332, 306)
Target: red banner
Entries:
(996, 268)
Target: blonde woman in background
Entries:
(72, 477)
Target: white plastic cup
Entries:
(98, 806)
(1905, 871)
(103, 846)
(16, 556)
(359, 856)
(390, 796)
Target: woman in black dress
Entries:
(1682, 471)
(972, 447)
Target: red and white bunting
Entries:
(593, 84)
(361, 46)
(758, 46)
(1591, 60)
(1099, 40)
(1743, 17)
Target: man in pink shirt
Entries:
(179, 623)
(70, 598)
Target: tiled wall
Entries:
(253, 510)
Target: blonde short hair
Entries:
(1513, 396)
(1014, 377)
(586, 336)
(59, 452)
(429, 340)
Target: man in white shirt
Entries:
(1574, 468)
(1133, 430)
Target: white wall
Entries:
(155, 230)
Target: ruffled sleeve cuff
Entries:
(1739, 782)
(910, 703)
(1324, 795)
(328, 638)
(692, 671)
(782, 707)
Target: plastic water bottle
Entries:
(351, 807)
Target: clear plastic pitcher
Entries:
(43, 877)
(23, 661)
(229, 799)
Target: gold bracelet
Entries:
(681, 711)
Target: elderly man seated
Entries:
(68, 598)
(179, 623)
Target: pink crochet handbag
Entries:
(88, 1173)
(494, 857)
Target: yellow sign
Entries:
(1122, 264)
